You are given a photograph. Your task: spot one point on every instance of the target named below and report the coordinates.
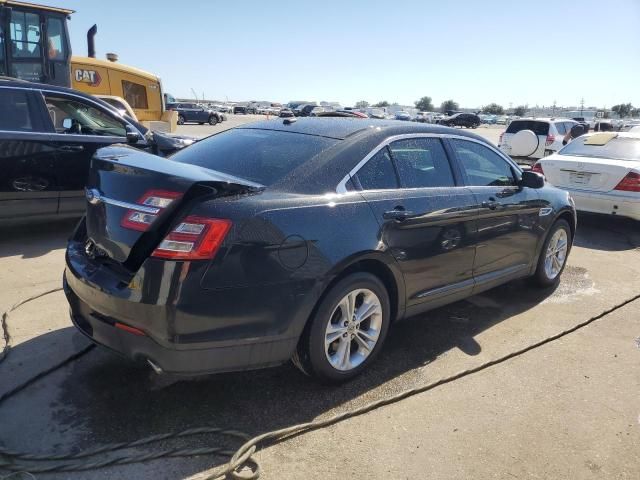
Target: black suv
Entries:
(469, 120)
(192, 112)
(48, 135)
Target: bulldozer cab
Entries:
(34, 43)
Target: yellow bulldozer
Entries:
(35, 46)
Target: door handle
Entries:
(71, 148)
(491, 205)
(397, 214)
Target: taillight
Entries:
(501, 137)
(630, 183)
(151, 204)
(537, 167)
(195, 238)
(550, 140)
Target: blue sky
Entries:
(475, 52)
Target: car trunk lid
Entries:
(132, 197)
(584, 173)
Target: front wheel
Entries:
(213, 120)
(553, 256)
(180, 120)
(347, 331)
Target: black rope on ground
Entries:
(242, 459)
(7, 347)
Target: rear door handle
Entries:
(397, 214)
(71, 148)
(492, 205)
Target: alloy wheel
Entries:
(556, 253)
(353, 329)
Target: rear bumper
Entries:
(606, 203)
(184, 328)
(210, 358)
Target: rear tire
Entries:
(180, 120)
(553, 256)
(347, 330)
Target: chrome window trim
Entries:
(342, 186)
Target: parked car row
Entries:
(195, 113)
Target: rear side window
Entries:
(422, 162)
(16, 115)
(482, 166)
(378, 173)
(262, 156)
(620, 148)
(539, 128)
(561, 127)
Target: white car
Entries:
(601, 171)
(533, 138)
(629, 124)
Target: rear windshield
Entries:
(262, 156)
(621, 148)
(539, 128)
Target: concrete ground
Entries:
(569, 409)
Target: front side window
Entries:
(482, 166)
(78, 118)
(56, 45)
(135, 94)
(378, 173)
(15, 111)
(422, 162)
(25, 35)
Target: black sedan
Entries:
(468, 120)
(301, 240)
(48, 135)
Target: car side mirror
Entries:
(67, 123)
(532, 179)
(133, 136)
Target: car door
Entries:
(507, 233)
(81, 127)
(28, 182)
(427, 218)
(203, 115)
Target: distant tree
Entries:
(635, 112)
(362, 104)
(381, 104)
(520, 110)
(424, 104)
(622, 109)
(449, 105)
(493, 109)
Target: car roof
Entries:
(16, 83)
(342, 128)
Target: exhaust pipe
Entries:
(91, 46)
(155, 367)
